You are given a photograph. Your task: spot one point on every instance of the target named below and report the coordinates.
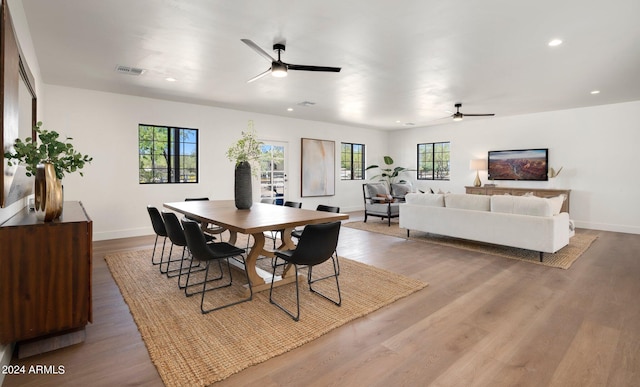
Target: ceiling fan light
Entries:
(457, 116)
(278, 70)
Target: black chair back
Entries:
(157, 222)
(174, 229)
(317, 243)
(196, 241)
(322, 207)
(195, 199)
(292, 204)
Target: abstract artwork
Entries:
(318, 168)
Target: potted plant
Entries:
(48, 159)
(243, 153)
(388, 174)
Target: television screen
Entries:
(522, 164)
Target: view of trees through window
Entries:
(351, 161)
(434, 161)
(167, 154)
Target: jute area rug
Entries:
(192, 349)
(562, 259)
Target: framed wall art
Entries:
(318, 168)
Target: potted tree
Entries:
(243, 153)
(388, 174)
(48, 159)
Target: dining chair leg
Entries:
(295, 317)
(204, 290)
(153, 254)
(311, 281)
(205, 280)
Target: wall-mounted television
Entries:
(519, 164)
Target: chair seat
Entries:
(224, 250)
(382, 208)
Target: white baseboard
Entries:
(128, 233)
(608, 227)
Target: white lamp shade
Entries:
(478, 164)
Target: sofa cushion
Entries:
(433, 200)
(468, 202)
(522, 205)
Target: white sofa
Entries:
(531, 223)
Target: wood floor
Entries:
(483, 321)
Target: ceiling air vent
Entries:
(306, 103)
(129, 70)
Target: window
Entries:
(167, 155)
(351, 161)
(433, 161)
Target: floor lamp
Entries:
(477, 165)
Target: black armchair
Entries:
(379, 202)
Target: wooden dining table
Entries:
(255, 221)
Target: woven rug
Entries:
(192, 349)
(562, 259)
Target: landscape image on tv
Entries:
(526, 164)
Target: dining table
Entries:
(255, 221)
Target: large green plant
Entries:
(389, 174)
(48, 150)
(247, 148)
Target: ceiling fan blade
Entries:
(257, 49)
(479, 115)
(313, 68)
(259, 76)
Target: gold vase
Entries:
(48, 193)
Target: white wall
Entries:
(596, 146)
(105, 126)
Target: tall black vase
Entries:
(242, 186)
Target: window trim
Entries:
(173, 133)
(362, 164)
(433, 166)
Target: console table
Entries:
(540, 192)
(45, 280)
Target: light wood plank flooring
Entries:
(483, 321)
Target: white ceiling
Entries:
(402, 62)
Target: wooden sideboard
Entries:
(540, 192)
(45, 275)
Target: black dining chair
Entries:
(160, 230)
(321, 207)
(210, 252)
(317, 245)
(177, 238)
(274, 234)
(297, 233)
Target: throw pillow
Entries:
(556, 203)
(400, 189)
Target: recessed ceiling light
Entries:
(555, 42)
(289, 109)
(169, 79)
(595, 92)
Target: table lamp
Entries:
(477, 165)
